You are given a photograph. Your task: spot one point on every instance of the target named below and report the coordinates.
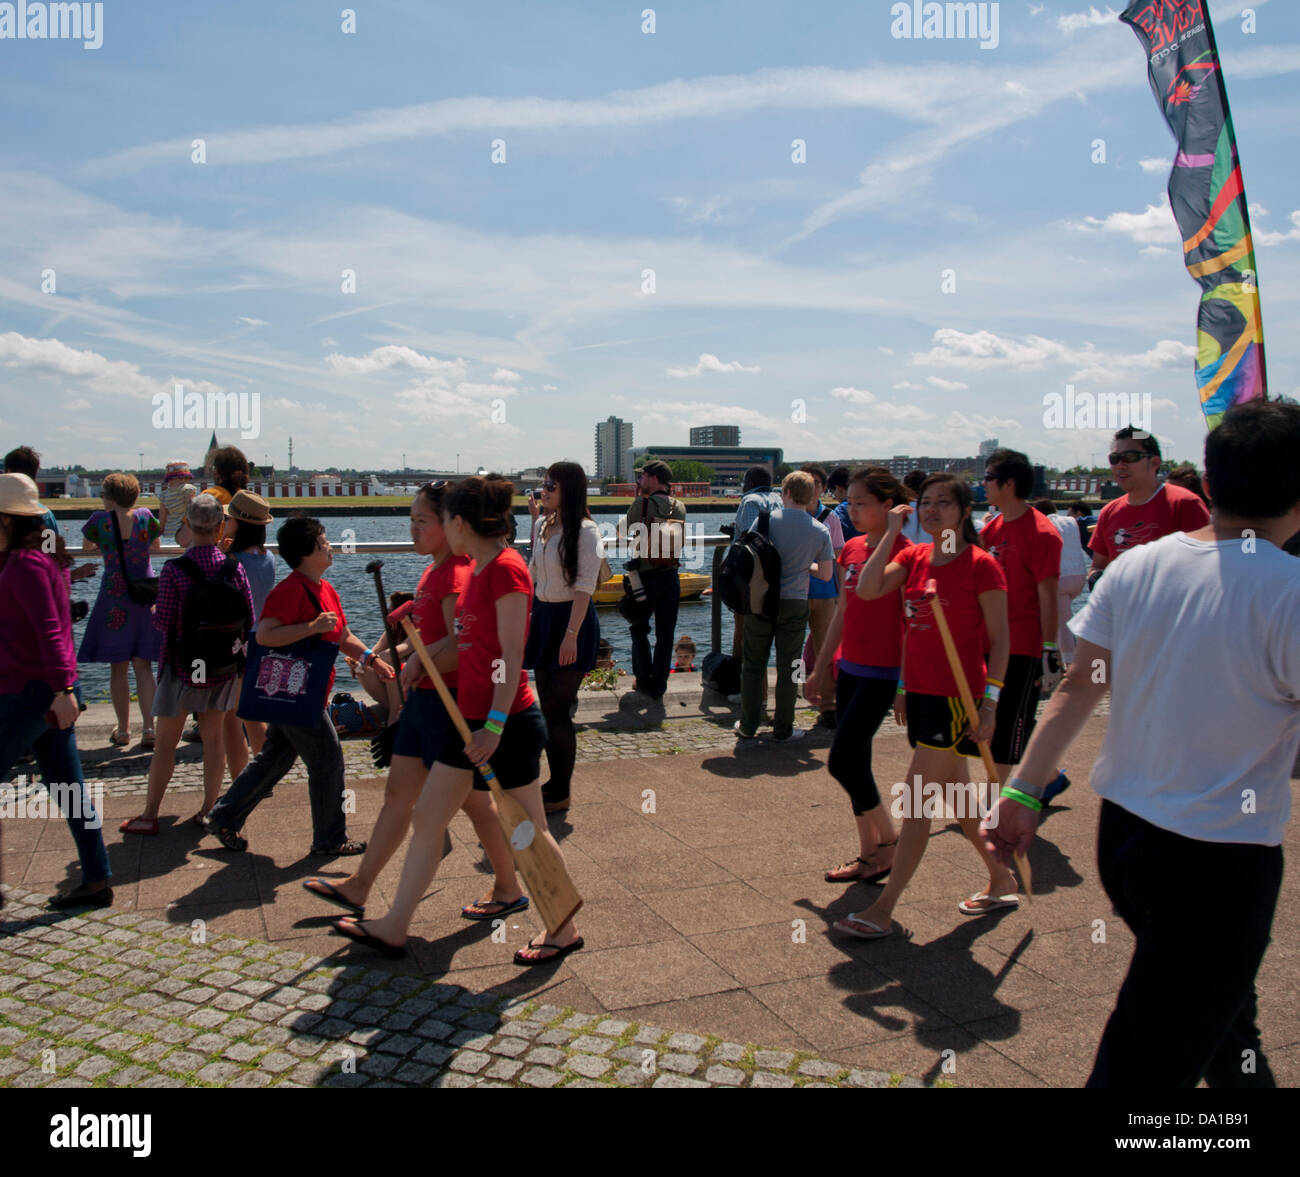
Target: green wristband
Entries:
(902, 690)
(1024, 798)
(494, 727)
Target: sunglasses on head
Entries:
(437, 484)
(1128, 457)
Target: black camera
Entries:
(79, 610)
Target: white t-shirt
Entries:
(1074, 560)
(1205, 685)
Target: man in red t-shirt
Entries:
(1028, 548)
(1147, 510)
(301, 605)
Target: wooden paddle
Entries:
(552, 891)
(963, 689)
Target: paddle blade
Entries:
(1026, 876)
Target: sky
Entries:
(468, 232)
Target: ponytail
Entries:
(961, 493)
(485, 504)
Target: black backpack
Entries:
(214, 621)
(749, 580)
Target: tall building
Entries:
(987, 447)
(715, 435)
(613, 443)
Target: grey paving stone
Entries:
(690, 1043)
(767, 1079)
(454, 1079)
(301, 1022)
(199, 994)
(415, 1073)
(613, 1027)
(151, 1052)
(240, 1027)
(478, 1020)
(819, 1068)
(649, 1035)
(546, 1013)
(590, 1065)
(271, 1035)
(264, 1011)
(545, 1056)
(208, 1019)
(682, 1064)
(289, 995)
(277, 1061)
(171, 1032)
(510, 1047)
(243, 1052)
(554, 1037)
(228, 1001)
(434, 1029)
(131, 1076)
(209, 1043)
(433, 1054)
(724, 1076)
(379, 1064)
(540, 1077)
(400, 1044)
(98, 1065)
(471, 1039)
(184, 1062)
(368, 1036)
(252, 1079)
(504, 1068)
(773, 1060)
(867, 1079)
(677, 1081)
(219, 1073)
(120, 1042)
(162, 1081)
(470, 1062)
(305, 1045)
(224, 979)
(524, 1029)
(398, 1021)
(590, 1044)
(633, 1076)
(579, 1021)
(370, 1014)
(911, 1083)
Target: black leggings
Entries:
(557, 691)
(861, 705)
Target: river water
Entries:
(402, 570)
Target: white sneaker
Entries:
(742, 734)
(795, 734)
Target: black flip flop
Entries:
(860, 877)
(520, 904)
(392, 951)
(331, 894)
(559, 953)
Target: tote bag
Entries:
(288, 684)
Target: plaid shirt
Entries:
(172, 585)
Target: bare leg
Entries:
(482, 812)
(232, 731)
(1001, 880)
(256, 734)
(119, 689)
(214, 756)
(144, 689)
(163, 763)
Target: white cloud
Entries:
(506, 374)
(856, 396)
(1074, 21)
(252, 322)
(1155, 165)
(328, 342)
(1154, 226)
(390, 356)
(946, 385)
(1155, 251)
(1271, 237)
(549, 388)
(889, 351)
(711, 363)
(699, 211)
(908, 386)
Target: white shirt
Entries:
(1205, 685)
(1074, 560)
(547, 569)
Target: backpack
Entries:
(721, 672)
(214, 621)
(749, 580)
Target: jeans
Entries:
(320, 751)
(664, 593)
(23, 726)
(1202, 913)
(788, 633)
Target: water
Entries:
(402, 571)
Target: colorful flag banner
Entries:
(1208, 199)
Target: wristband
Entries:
(997, 682)
(367, 653)
(1049, 645)
(1034, 791)
(68, 691)
(902, 690)
(1023, 798)
(499, 716)
(570, 631)
(992, 693)
(492, 726)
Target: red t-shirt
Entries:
(960, 582)
(289, 603)
(1029, 551)
(873, 630)
(476, 630)
(449, 578)
(1120, 526)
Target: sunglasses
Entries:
(548, 485)
(991, 478)
(1128, 457)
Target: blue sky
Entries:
(499, 310)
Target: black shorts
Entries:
(423, 726)
(935, 721)
(1017, 708)
(518, 759)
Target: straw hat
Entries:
(247, 507)
(18, 496)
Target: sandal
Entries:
(119, 737)
(853, 925)
(502, 908)
(352, 930)
(559, 951)
(862, 876)
(324, 889)
(346, 847)
(139, 825)
(146, 740)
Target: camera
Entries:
(79, 610)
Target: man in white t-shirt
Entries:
(1197, 635)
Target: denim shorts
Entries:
(518, 759)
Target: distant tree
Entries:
(688, 470)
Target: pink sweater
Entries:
(35, 626)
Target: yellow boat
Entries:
(693, 584)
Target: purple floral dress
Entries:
(118, 629)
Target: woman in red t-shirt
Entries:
(973, 592)
(493, 694)
(423, 725)
(864, 648)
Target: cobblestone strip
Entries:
(119, 1000)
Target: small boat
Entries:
(693, 584)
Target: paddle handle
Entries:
(448, 701)
(968, 702)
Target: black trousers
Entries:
(861, 705)
(1202, 913)
(664, 592)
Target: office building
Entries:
(715, 435)
(613, 444)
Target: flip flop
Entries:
(560, 952)
(139, 825)
(983, 903)
(351, 929)
(326, 890)
(520, 904)
(852, 925)
(873, 877)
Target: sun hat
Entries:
(177, 470)
(204, 512)
(18, 496)
(247, 507)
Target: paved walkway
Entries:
(707, 929)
